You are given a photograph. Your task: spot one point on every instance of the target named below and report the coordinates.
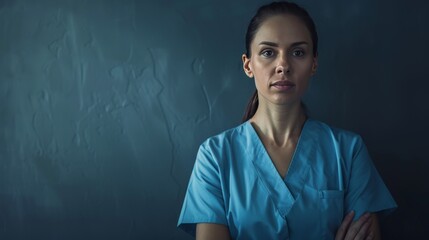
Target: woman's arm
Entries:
(210, 231)
(365, 228)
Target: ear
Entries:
(314, 65)
(246, 66)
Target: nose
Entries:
(283, 65)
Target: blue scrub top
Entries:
(235, 183)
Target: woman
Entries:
(280, 174)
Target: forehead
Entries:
(282, 29)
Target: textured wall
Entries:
(104, 103)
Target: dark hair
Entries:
(263, 13)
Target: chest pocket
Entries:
(331, 203)
(318, 210)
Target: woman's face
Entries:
(282, 60)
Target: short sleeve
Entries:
(204, 202)
(366, 191)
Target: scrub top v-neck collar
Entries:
(285, 191)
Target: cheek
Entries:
(305, 69)
(260, 68)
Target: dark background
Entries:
(103, 105)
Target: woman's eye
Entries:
(267, 53)
(298, 53)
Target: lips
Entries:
(283, 84)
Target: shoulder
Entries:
(224, 139)
(226, 147)
(326, 131)
(346, 147)
(344, 142)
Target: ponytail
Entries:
(252, 106)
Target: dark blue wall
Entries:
(104, 103)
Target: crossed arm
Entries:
(365, 228)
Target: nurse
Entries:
(281, 174)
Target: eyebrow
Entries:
(273, 44)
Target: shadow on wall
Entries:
(405, 179)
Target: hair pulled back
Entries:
(263, 13)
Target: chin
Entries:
(286, 102)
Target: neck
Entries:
(279, 123)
